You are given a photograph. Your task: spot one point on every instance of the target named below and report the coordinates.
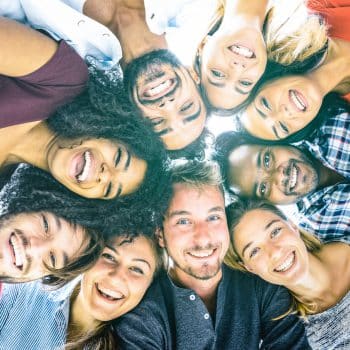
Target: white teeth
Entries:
(159, 88)
(110, 294)
(84, 174)
(297, 101)
(287, 263)
(242, 51)
(17, 250)
(202, 253)
(293, 178)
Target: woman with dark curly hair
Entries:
(98, 154)
(291, 97)
(42, 235)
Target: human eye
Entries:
(157, 121)
(215, 217)
(284, 128)
(263, 190)
(254, 252)
(136, 270)
(108, 257)
(45, 223)
(186, 106)
(217, 73)
(183, 221)
(267, 160)
(245, 82)
(264, 101)
(275, 232)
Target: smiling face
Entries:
(271, 247)
(232, 61)
(195, 231)
(28, 241)
(166, 93)
(279, 174)
(96, 168)
(282, 107)
(119, 279)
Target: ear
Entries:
(160, 237)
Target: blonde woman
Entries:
(242, 37)
(291, 101)
(78, 316)
(265, 243)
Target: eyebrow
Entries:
(258, 165)
(185, 212)
(186, 120)
(269, 224)
(241, 91)
(262, 114)
(215, 83)
(128, 160)
(65, 259)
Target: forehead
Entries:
(134, 247)
(190, 198)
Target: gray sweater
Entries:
(331, 329)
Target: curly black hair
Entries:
(30, 189)
(94, 114)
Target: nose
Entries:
(202, 234)
(104, 175)
(166, 101)
(275, 251)
(118, 276)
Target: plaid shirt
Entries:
(326, 212)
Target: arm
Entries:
(23, 50)
(285, 333)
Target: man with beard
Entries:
(315, 175)
(161, 87)
(200, 303)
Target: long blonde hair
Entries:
(289, 36)
(234, 213)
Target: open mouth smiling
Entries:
(286, 264)
(109, 294)
(291, 180)
(81, 169)
(155, 91)
(297, 100)
(242, 51)
(17, 251)
(202, 253)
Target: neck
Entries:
(337, 60)
(205, 289)
(327, 176)
(130, 27)
(80, 321)
(34, 147)
(316, 281)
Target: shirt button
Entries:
(206, 316)
(192, 297)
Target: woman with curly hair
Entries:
(292, 98)
(266, 243)
(84, 308)
(242, 38)
(105, 154)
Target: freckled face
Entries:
(119, 279)
(271, 247)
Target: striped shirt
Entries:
(33, 317)
(326, 212)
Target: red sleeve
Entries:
(336, 14)
(37, 95)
